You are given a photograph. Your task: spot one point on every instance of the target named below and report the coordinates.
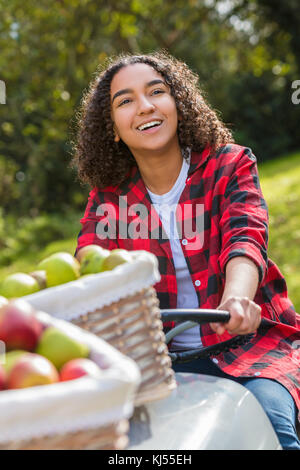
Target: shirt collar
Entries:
(198, 159)
(134, 181)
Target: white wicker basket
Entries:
(121, 307)
(85, 413)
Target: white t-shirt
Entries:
(165, 206)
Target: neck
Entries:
(160, 170)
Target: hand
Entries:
(245, 316)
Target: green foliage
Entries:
(9, 189)
(26, 240)
(264, 128)
(245, 52)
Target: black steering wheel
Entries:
(189, 318)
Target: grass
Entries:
(24, 244)
(280, 185)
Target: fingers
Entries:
(245, 316)
(247, 319)
(218, 328)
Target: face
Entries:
(143, 110)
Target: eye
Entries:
(157, 91)
(125, 101)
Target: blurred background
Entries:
(247, 56)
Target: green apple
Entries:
(60, 268)
(18, 285)
(115, 258)
(91, 258)
(60, 348)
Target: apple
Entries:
(3, 301)
(78, 368)
(2, 378)
(89, 250)
(31, 370)
(91, 258)
(18, 285)
(115, 258)
(60, 268)
(11, 358)
(60, 348)
(40, 277)
(19, 327)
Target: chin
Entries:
(160, 145)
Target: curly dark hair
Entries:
(100, 161)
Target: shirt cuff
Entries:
(243, 249)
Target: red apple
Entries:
(19, 327)
(31, 370)
(2, 378)
(78, 368)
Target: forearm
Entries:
(241, 278)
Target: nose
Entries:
(144, 105)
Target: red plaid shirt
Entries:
(225, 186)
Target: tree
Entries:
(245, 58)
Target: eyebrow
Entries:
(129, 90)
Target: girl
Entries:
(148, 139)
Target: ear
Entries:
(117, 137)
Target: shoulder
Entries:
(227, 155)
(100, 199)
(100, 195)
(232, 154)
(111, 193)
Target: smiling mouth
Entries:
(149, 125)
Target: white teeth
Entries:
(149, 124)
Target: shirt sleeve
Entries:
(98, 223)
(244, 216)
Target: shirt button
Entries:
(215, 360)
(184, 241)
(188, 179)
(197, 283)
(257, 373)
